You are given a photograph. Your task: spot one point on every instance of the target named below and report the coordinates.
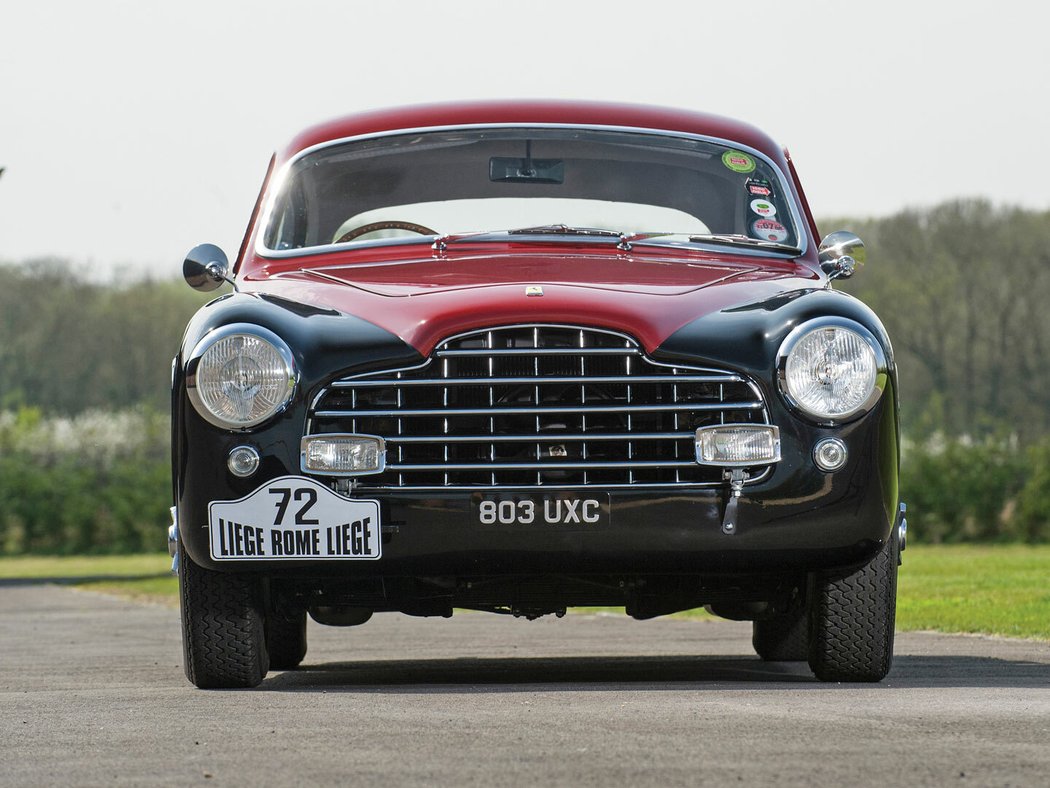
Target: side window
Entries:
(288, 227)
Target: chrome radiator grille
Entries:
(537, 406)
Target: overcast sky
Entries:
(130, 131)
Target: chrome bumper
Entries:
(173, 540)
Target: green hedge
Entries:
(958, 490)
(96, 483)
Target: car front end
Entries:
(615, 374)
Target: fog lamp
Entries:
(830, 454)
(738, 445)
(343, 455)
(243, 461)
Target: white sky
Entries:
(132, 131)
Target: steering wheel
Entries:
(371, 227)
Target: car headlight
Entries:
(239, 376)
(831, 369)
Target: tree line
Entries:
(69, 344)
(963, 289)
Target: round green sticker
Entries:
(737, 161)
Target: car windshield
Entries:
(555, 182)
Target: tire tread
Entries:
(853, 619)
(222, 627)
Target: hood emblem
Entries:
(533, 290)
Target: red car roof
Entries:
(519, 112)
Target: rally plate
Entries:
(295, 518)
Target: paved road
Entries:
(92, 692)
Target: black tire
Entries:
(223, 639)
(784, 638)
(286, 638)
(852, 620)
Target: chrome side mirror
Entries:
(206, 267)
(840, 254)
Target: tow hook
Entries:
(736, 478)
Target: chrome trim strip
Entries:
(551, 351)
(274, 187)
(542, 466)
(173, 539)
(685, 406)
(538, 488)
(728, 378)
(554, 437)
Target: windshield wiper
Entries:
(734, 239)
(624, 240)
(564, 229)
(441, 242)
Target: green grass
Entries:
(158, 590)
(73, 566)
(986, 589)
(979, 589)
(146, 577)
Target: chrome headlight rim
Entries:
(803, 330)
(224, 332)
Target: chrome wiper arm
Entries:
(733, 239)
(564, 229)
(624, 240)
(441, 242)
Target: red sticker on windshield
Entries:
(759, 188)
(769, 230)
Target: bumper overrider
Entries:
(817, 495)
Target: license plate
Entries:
(555, 510)
(294, 518)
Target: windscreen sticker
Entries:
(757, 188)
(769, 230)
(737, 161)
(764, 208)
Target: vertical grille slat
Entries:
(537, 406)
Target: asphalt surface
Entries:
(92, 693)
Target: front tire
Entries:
(784, 638)
(852, 620)
(286, 638)
(223, 638)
